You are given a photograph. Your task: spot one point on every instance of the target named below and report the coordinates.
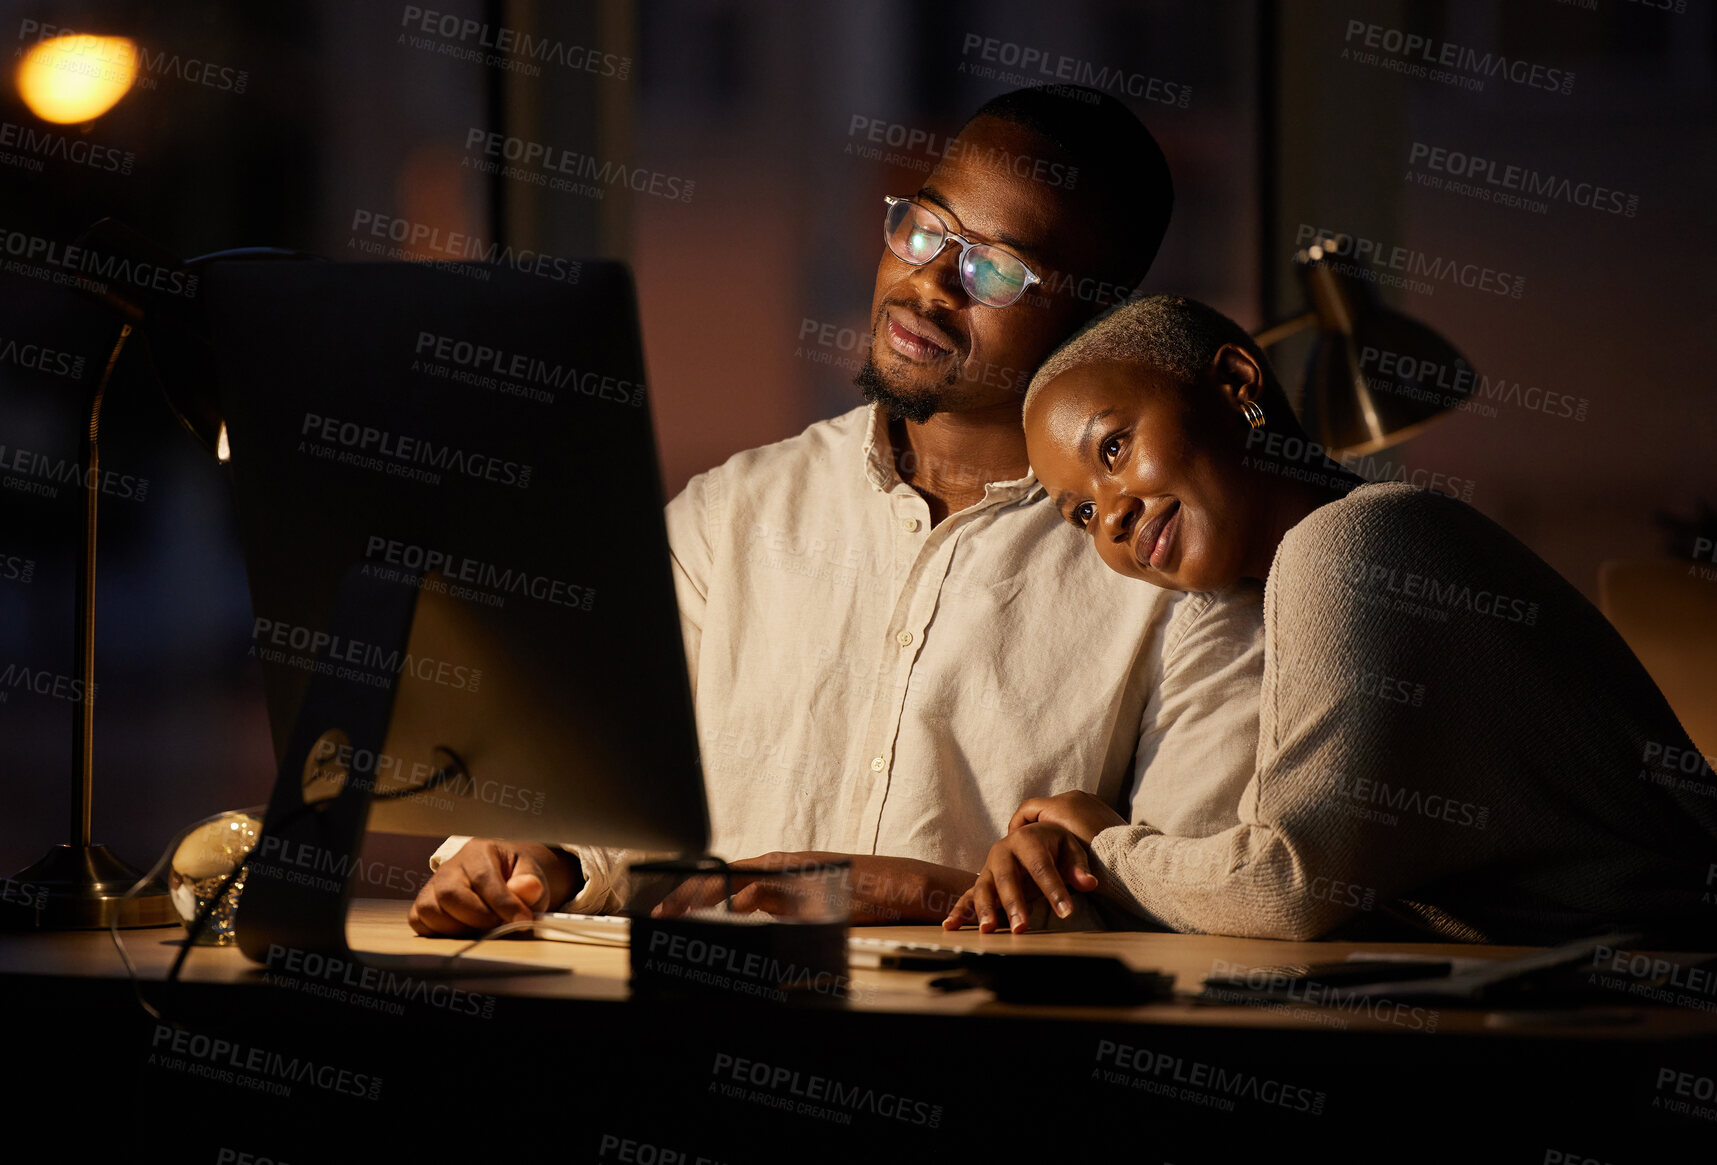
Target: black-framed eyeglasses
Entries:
(989, 274)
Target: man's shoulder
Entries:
(1065, 573)
(1235, 611)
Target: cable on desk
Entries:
(505, 928)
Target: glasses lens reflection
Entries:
(989, 275)
(914, 233)
(993, 277)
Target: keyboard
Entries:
(615, 930)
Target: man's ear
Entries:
(1235, 372)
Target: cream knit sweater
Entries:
(1450, 735)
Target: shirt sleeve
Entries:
(692, 556)
(1198, 741)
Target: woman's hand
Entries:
(1080, 814)
(1035, 859)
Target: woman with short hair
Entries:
(1451, 735)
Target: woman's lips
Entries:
(916, 339)
(1155, 542)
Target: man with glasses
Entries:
(893, 638)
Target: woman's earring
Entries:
(1254, 413)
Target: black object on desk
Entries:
(688, 942)
(1074, 980)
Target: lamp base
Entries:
(81, 888)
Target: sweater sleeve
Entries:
(1321, 835)
(1293, 868)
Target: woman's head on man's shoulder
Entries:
(1159, 430)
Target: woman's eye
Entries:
(1111, 450)
(1083, 513)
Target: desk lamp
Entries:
(82, 885)
(1375, 376)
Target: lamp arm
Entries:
(1276, 333)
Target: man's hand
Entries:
(1034, 859)
(490, 882)
(1080, 814)
(884, 890)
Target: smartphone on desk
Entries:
(1094, 980)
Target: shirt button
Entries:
(910, 525)
(905, 638)
(877, 764)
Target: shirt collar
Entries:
(878, 463)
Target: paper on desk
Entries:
(615, 930)
(1475, 982)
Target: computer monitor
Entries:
(451, 512)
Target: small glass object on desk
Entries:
(201, 863)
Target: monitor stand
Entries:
(298, 884)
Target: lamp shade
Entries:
(1374, 376)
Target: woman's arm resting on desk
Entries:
(490, 882)
(1207, 884)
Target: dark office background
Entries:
(765, 110)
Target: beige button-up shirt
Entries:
(868, 683)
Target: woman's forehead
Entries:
(1086, 385)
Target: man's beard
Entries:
(918, 408)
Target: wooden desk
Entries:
(741, 1081)
(602, 973)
